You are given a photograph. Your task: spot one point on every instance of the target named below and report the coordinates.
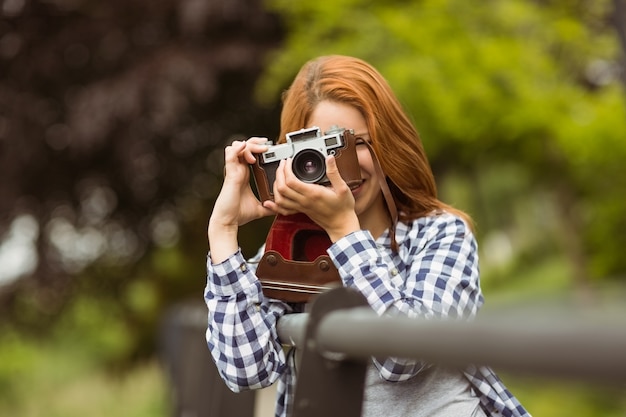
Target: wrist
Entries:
(219, 227)
(222, 241)
(343, 230)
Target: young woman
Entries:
(421, 264)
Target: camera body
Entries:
(308, 148)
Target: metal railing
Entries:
(341, 333)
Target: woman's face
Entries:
(369, 201)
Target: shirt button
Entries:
(394, 272)
(243, 267)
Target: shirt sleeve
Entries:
(241, 333)
(434, 275)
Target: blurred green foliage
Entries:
(71, 374)
(522, 87)
(567, 398)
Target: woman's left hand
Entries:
(331, 207)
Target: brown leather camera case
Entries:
(295, 265)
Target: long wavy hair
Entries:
(394, 138)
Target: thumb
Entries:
(332, 172)
(265, 209)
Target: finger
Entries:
(235, 166)
(276, 209)
(279, 180)
(258, 140)
(290, 178)
(234, 148)
(254, 146)
(265, 211)
(288, 185)
(281, 189)
(292, 181)
(232, 155)
(285, 196)
(332, 172)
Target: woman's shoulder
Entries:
(437, 220)
(432, 225)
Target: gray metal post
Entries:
(197, 388)
(329, 387)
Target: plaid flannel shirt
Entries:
(434, 274)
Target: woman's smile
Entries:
(369, 202)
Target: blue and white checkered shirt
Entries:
(434, 274)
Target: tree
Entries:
(519, 100)
(113, 119)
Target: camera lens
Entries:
(309, 166)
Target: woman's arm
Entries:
(434, 275)
(236, 204)
(241, 334)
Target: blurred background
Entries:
(113, 120)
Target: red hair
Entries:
(395, 140)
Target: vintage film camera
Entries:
(309, 148)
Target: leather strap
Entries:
(391, 204)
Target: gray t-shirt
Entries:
(434, 392)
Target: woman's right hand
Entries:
(236, 203)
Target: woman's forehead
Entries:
(331, 113)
